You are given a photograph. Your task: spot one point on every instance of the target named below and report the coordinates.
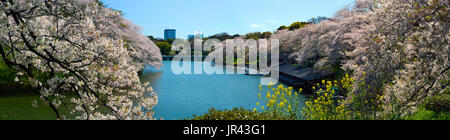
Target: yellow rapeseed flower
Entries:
(272, 101)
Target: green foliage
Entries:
(170, 41)
(339, 73)
(258, 35)
(265, 35)
(293, 26)
(222, 36)
(283, 27)
(239, 114)
(7, 74)
(280, 100)
(164, 47)
(297, 25)
(152, 38)
(424, 114)
(327, 102)
(157, 39)
(438, 103)
(327, 105)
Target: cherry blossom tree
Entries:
(399, 48)
(82, 57)
(406, 55)
(322, 45)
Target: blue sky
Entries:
(217, 16)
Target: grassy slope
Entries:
(17, 106)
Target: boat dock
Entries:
(299, 77)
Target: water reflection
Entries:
(181, 96)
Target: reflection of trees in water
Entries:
(151, 77)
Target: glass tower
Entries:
(170, 34)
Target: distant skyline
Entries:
(216, 16)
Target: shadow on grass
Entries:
(16, 104)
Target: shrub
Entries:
(326, 105)
(280, 101)
(282, 27)
(297, 25)
(7, 74)
(438, 103)
(258, 35)
(238, 114)
(164, 47)
(424, 114)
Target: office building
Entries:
(170, 34)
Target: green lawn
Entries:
(18, 106)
